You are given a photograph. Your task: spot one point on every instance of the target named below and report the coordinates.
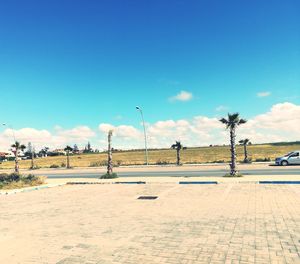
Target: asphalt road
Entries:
(188, 173)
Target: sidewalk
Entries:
(237, 221)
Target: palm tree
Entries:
(232, 122)
(178, 146)
(32, 160)
(245, 142)
(109, 154)
(68, 149)
(17, 146)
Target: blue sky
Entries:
(70, 63)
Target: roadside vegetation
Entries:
(212, 154)
(16, 180)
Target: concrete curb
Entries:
(198, 182)
(279, 182)
(184, 182)
(30, 189)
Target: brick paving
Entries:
(93, 224)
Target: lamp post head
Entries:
(138, 108)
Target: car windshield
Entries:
(288, 154)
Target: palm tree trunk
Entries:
(16, 162)
(32, 161)
(246, 153)
(233, 152)
(68, 160)
(109, 154)
(178, 157)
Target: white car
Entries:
(291, 158)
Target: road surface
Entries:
(171, 172)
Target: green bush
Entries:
(63, 165)
(54, 166)
(4, 177)
(29, 178)
(15, 180)
(109, 176)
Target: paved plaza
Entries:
(241, 222)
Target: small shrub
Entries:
(63, 165)
(3, 177)
(119, 163)
(247, 161)
(29, 178)
(162, 162)
(109, 176)
(233, 176)
(54, 166)
(15, 180)
(14, 177)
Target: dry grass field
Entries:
(164, 156)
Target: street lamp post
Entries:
(145, 135)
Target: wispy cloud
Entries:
(221, 108)
(183, 96)
(263, 94)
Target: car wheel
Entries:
(284, 163)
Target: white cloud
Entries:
(81, 133)
(41, 138)
(263, 94)
(123, 131)
(280, 123)
(182, 96)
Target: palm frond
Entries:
(22, 147)
(68, 148)
(233, 117)
(224, 121)
(242, 121)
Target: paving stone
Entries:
(95, 224)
